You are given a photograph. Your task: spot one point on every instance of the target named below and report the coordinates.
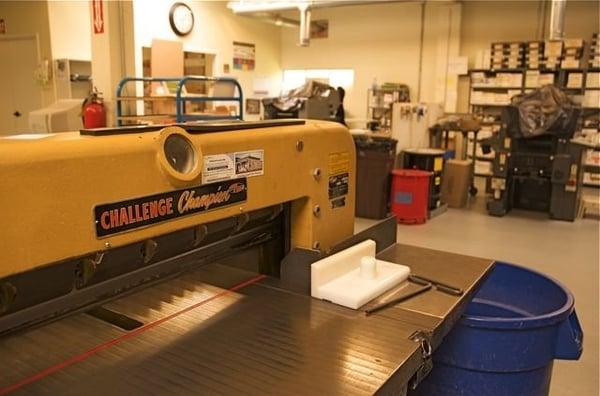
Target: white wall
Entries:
(215, 29)
(378, 41)
(441, 43)
(30, 17)
(70, 29)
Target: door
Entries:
(20, 92)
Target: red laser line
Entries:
(99, 348)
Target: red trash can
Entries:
(410, 195)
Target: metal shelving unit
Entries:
(380, 102)
(492, 110)
(180, 98)
(592, 170)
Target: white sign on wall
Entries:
(458, 65)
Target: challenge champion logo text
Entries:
(126, 215)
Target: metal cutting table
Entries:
(256, 339)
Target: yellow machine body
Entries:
(50, 186)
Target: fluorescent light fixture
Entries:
(247, 6)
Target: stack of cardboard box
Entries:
(552, 54)
(534, 54)
(591, 97)
(572, 53)
(594, 62)
(507, 55)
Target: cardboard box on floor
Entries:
(455, 183)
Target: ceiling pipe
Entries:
(557, 19)
(275, 19)
(261, 9)
(286, 22)
(246, 7)
(304, 39)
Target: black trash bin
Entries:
(375, 157)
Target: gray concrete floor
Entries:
(567, 251)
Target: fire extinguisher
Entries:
(93, 112)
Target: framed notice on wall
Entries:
(319, 29)
(244, 55)
(252, 106)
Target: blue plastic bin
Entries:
(505, 343)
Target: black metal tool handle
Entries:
(418, 280)
(449, 290)
(443, 287)
(399, 299)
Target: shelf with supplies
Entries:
(491, 70)
(480, 158)
(492, 87)
(490, 123)
(591, 179)
(380, 101)
(484, 134)
(592, 168)
(72, 78)
(591, 165)
(490, 104)
(570, 80)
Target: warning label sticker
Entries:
(338, 202)
(338, 185)
(438, 164)
(228, 166)
(339, 169)
(339, 162)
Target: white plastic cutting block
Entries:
(353, 277)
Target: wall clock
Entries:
(181, 19)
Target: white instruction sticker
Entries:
(217, 167)
(28, 136)
(233, 165)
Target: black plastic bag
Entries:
(294, 99)
(374, 143)
(545, 111)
